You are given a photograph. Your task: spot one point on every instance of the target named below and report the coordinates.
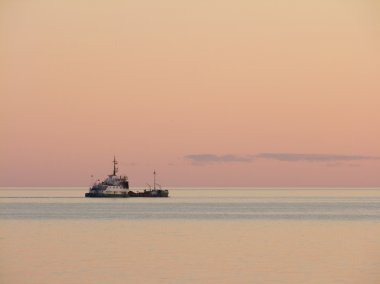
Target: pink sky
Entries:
(160, 84)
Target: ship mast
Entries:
(114, 166)
(154, 180)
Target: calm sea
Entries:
(197, 235)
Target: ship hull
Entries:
(107, 195)
(150, 194)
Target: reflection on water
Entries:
(195, 236)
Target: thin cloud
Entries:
(211, 158)
(283, 157)
(293, 157)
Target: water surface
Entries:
(225, 235)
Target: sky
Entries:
(207, 93)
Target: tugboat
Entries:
(118, 186)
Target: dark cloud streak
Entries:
(293, 157)
(211, 158)
(283, 157)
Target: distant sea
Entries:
(197, 235)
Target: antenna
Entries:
(154, 180)
(114, 166)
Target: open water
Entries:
(197, 235)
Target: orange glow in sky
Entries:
(208, 93)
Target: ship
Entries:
(118, 186)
